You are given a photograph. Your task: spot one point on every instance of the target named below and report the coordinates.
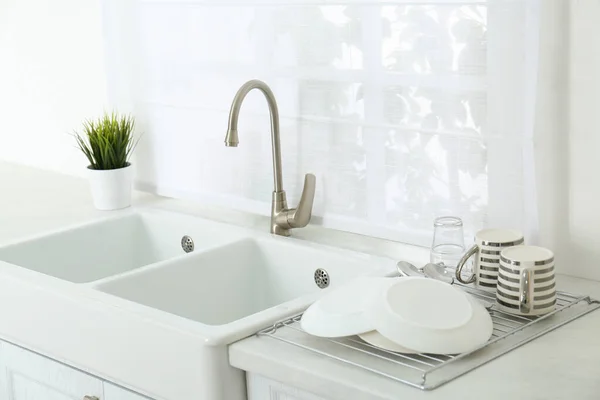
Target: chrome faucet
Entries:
(283, 219)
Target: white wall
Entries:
(51, 79)
(568, 141)
(582, 232)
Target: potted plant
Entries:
(108, 142)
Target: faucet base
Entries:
(277, 230)
(278, 206)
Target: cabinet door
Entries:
(261, 388)
(28, 376)
(112, 392)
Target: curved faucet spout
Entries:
(232, 140)
(283, 219)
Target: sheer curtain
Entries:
(582, 233)
(566, 135)
(404, 110)
(549, 127)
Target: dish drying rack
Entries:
(430, 371)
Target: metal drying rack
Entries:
(430, 371)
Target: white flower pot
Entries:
(111, 188)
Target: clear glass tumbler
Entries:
(448, 241)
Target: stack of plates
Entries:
(342, 312)
(408, 315)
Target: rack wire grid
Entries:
(430, 371)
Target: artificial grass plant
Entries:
(108, 141)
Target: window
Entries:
(388, 103)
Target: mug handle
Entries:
(461, 263)
(526, 297)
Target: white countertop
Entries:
(562, 364)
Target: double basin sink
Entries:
(150, 299)
(204, 271)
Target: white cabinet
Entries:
(261, 388)
(28, 376)
(112, 392)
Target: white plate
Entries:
(378, 340)
(342, 311)
(429, 316)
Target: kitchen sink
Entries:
(97, 250)
(137, 290)
(238, 280)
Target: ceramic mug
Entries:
(488, 245)
(526, 281)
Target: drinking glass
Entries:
(448, 241)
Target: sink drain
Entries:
(321, 278)
(187, 244)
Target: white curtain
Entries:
(549, 116)
(404, 110)
(567, 135)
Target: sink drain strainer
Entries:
(187, 244)
(321, 278)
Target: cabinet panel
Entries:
(261, 388)
(28, 376)
(112, 392)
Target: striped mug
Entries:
(488, 245)
(526, 281)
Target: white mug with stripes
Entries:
(488, 245)
(526, 281)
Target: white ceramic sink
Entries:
(97, 250)
(131, 306)
(229, 283)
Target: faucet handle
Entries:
(300, 216)
(304, 209)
